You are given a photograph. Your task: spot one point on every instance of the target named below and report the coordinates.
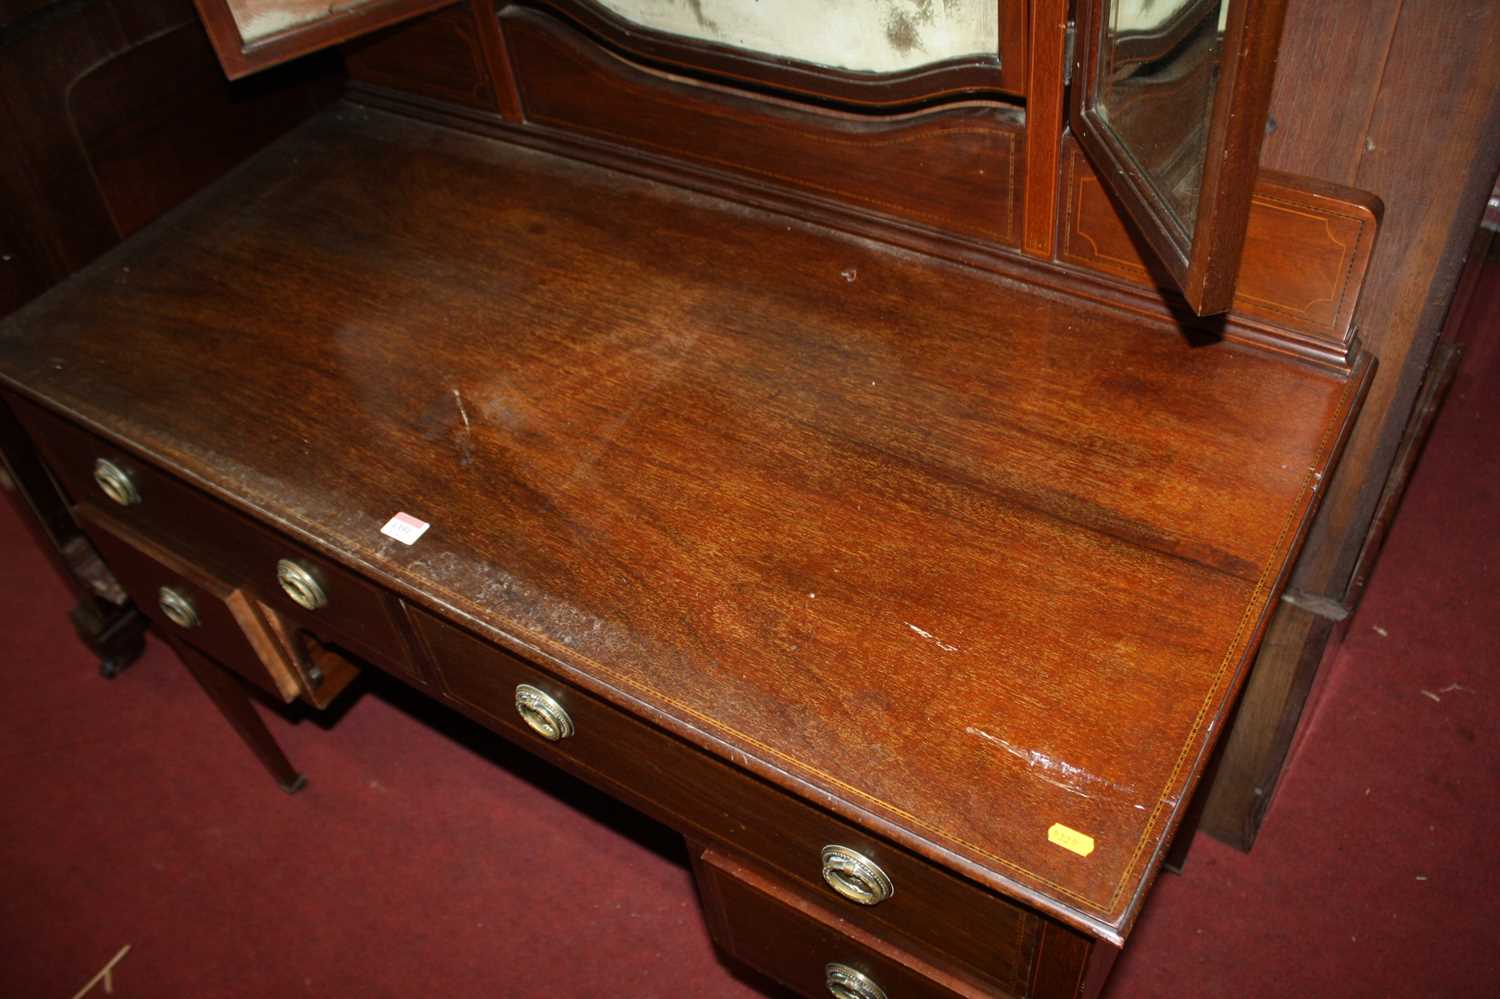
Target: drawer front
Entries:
(931, 910)
(780, 933)
(189, 603)
(353, 612)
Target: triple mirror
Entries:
(1169, 96)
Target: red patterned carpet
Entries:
(427, 858)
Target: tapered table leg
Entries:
(233, 701)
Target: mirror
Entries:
(1170, 103)
(863, 36)
(1156, 91)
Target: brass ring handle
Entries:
(116, 482)
(855, 876)
(300, 584)
(178, 607)
(542, 714)
(845, 982)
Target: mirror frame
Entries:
(240, 58)
(1204, 264)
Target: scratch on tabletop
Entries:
(1071, 777)
(467, 457)
(463, 413)
(933, 638)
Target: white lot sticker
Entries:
(405, 528)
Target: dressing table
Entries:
(881, 473)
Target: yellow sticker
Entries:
(1070, 839)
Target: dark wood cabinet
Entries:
(823, 465)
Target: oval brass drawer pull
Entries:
(116, 482)
(845, 982)
(178, 607)
(542, 714)
(301, 585)
(855, 876)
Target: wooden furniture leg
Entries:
(117, 635)
(233, 701)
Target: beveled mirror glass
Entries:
(1170, 103)
(1156, 91)
(864, 36)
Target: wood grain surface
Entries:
(956, 559)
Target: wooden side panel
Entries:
(1415, 119)
(157, 123)
(956, 170)
(111, 113)
(1250, 759)
(1430, 149)
(439, 56)
(1306, 251)
(1069, 965)
(1325, 137)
